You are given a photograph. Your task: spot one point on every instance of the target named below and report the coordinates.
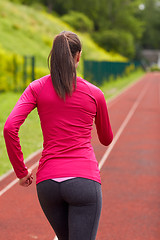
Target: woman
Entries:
(68, 178)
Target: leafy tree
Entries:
(151, 15)
(79, 21)
(116, 41)
(113, 19)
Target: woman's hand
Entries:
(27, 180)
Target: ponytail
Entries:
(62, 63)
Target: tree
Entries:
(151, 15)
(116, 41)
(115, 17)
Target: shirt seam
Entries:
(42, 85)
(91, 93)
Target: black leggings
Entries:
(72, 207)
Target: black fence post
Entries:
(15, 70)
(33, 67)
(25, 71)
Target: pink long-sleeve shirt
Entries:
(66, 127)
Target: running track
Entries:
(130, 173)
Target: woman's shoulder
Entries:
(91, 87)
(38, 84)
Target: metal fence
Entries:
(99, 72)
(16, 72)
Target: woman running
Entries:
(68, 177)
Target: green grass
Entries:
(30, 132)
(114, 87)
(28, 31)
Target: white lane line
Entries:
(11, 184)
(55, 238)
(122, 127)
(6, 174)
(122, 92)
(32, 155)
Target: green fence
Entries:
(28, 69)
(99, 72)
(16, 71)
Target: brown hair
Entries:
(61, 62)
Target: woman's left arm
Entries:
(23, 107)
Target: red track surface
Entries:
(130, 175)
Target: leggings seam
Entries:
(95, 212)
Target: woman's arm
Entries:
(24, 106)
(102, 120)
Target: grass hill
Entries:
(25, 30)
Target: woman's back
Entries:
(66, 126)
